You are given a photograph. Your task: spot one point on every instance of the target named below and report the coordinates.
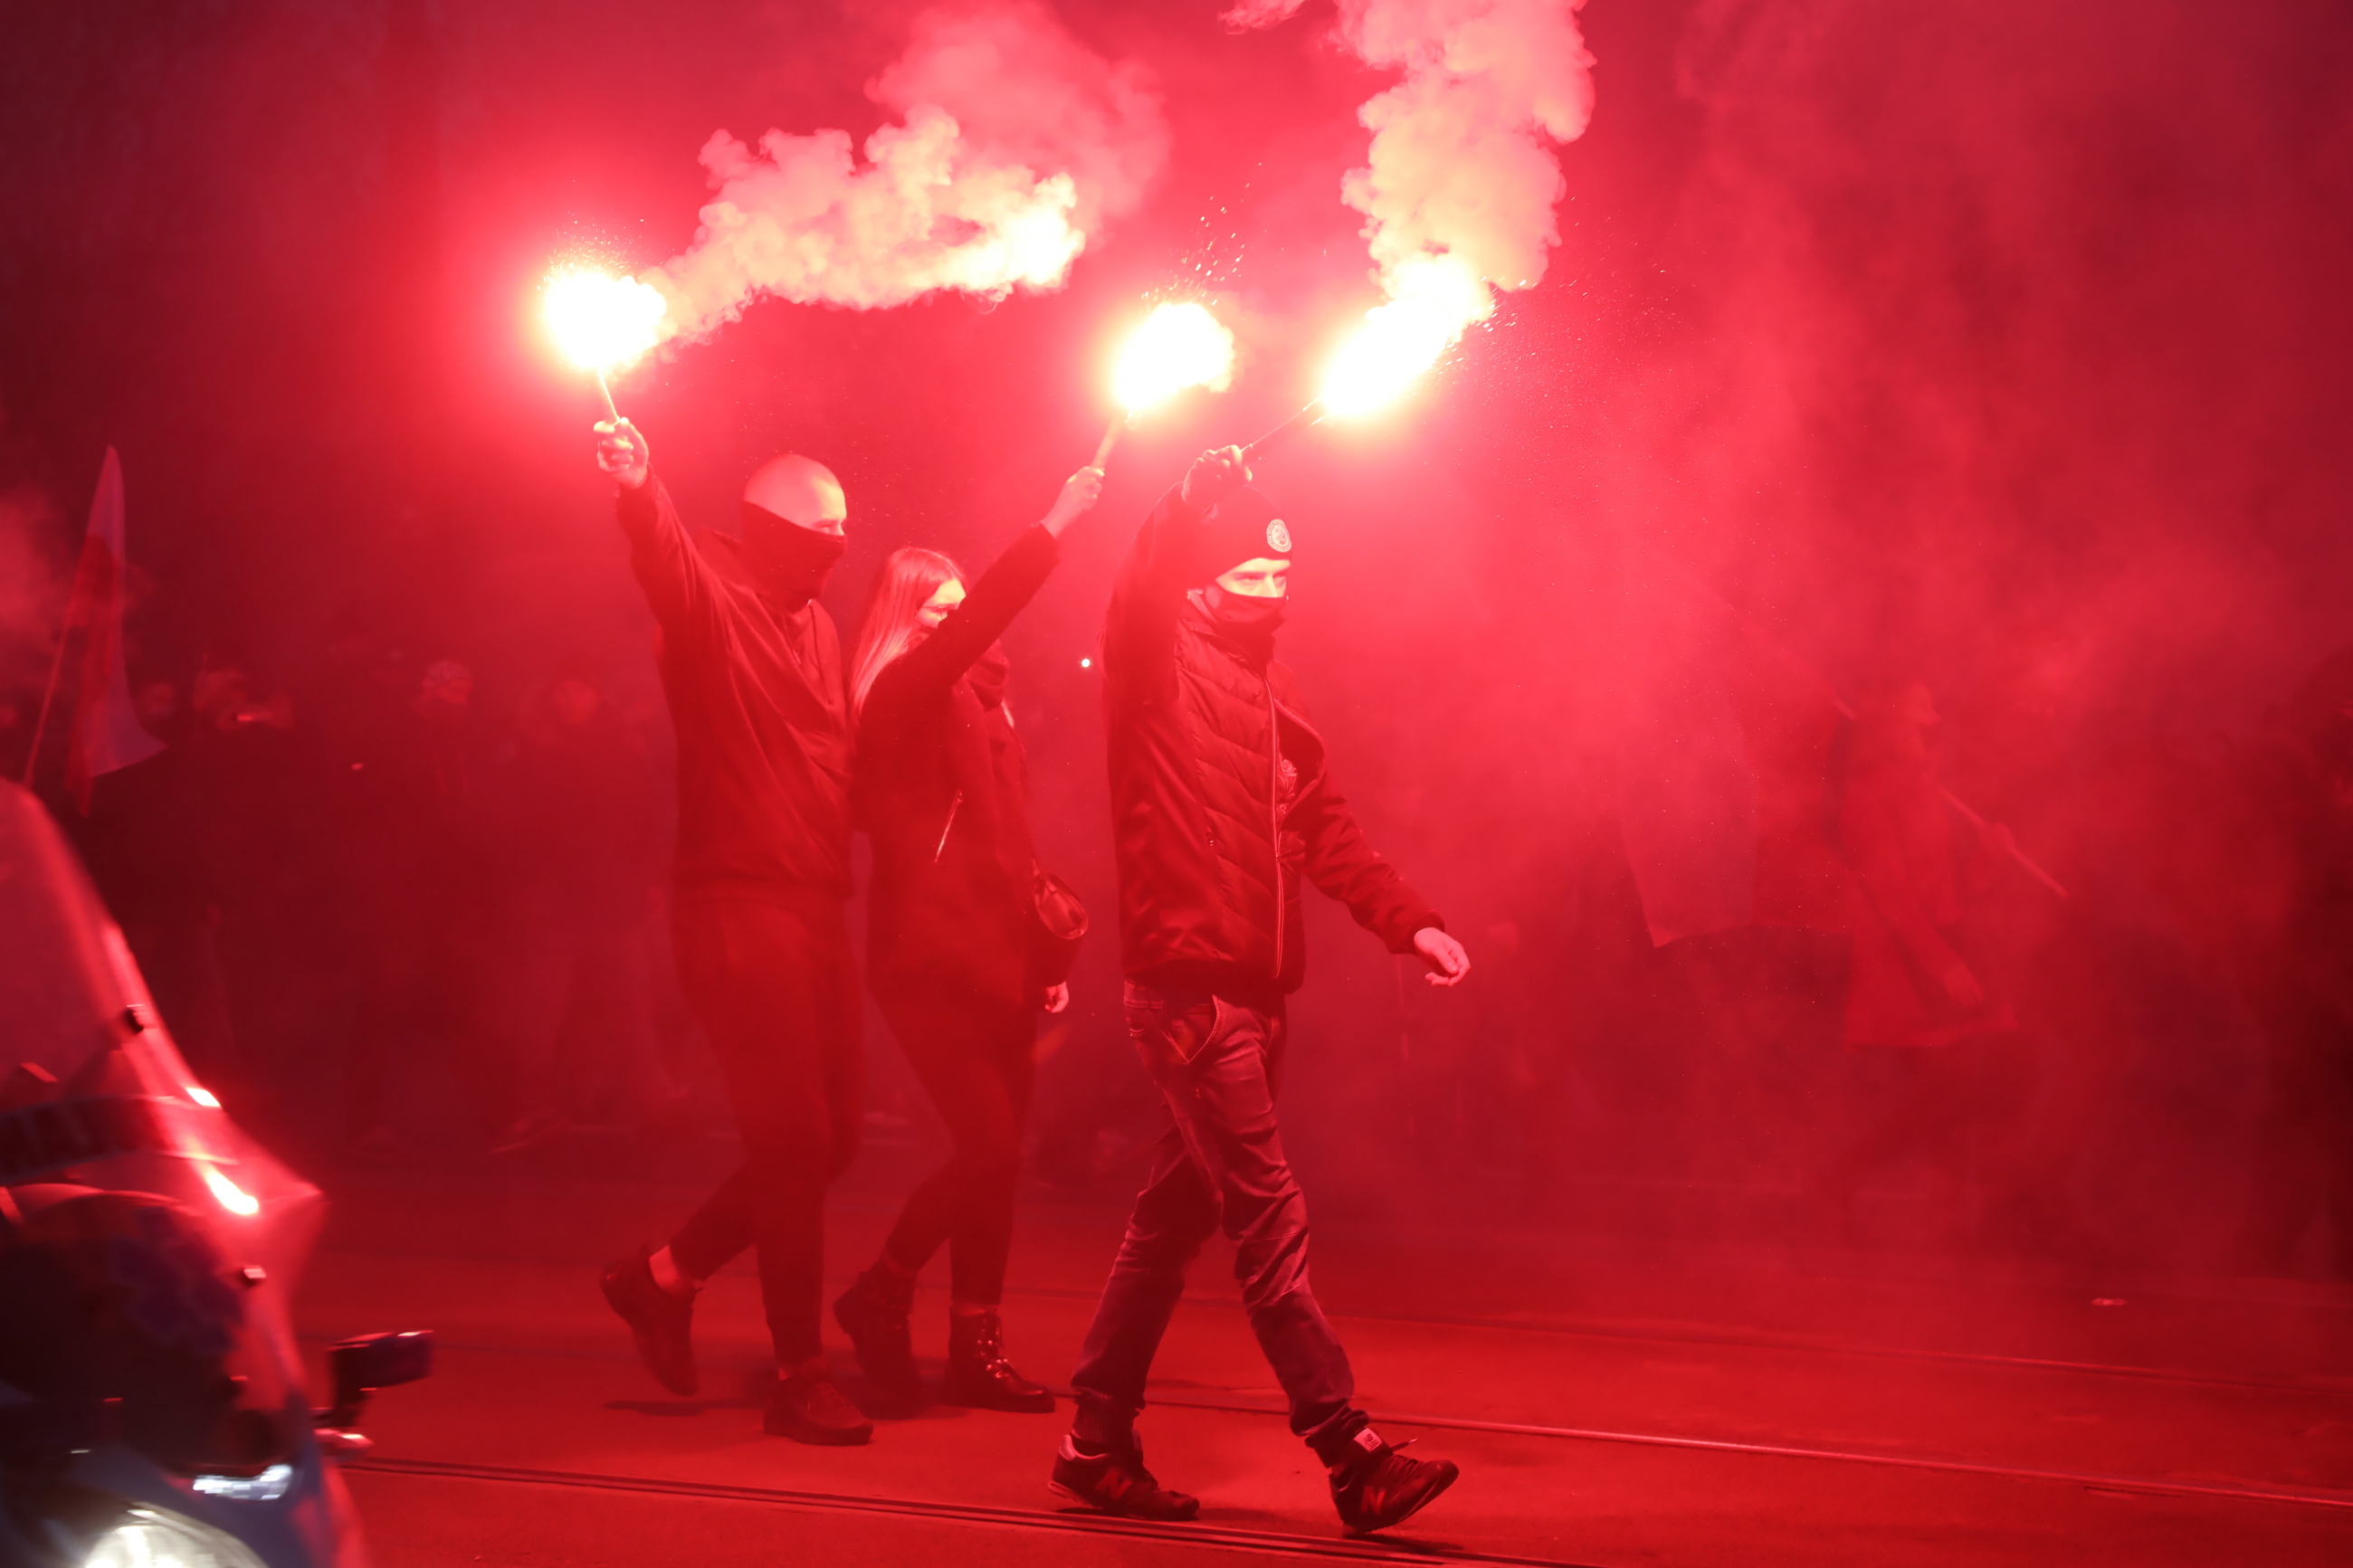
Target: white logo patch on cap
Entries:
(1278, 537)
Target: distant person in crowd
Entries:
(579, 842)
(143, 841)
(2010, 750)
(2295, 969)
(1222, 803)
(954, 951)
(752, 669)
(1918, 984)
(246, 768)
(413, 841)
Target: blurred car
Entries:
(152, 1404)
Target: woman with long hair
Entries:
(952, 949)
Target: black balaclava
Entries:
(1244, 613)
(791, 562)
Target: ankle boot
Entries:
(979, 1374)
(873, 1313)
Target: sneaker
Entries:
(1383, 1487)
(1117, 1482)
(979, 1375)
(873, 1313)
(810, 1407)
(659, 1321)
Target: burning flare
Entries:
(1439, 296)
(598, 321)
(1461, 179)
(1177, 346)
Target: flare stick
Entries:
(1111, 438)
(612, 412)
(1313, 414)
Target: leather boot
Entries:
(979, 1374)
(873, 1313)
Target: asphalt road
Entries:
(1609, 1404)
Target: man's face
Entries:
(945, 597)
(575, 701)
(1256, 578)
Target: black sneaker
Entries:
(979, 1375)
(659, 1321)
(1117, 1482)
(810, 1407)
(1384, 1488)
(873, 1313)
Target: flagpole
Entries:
(50, 696)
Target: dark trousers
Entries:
(1218, 1064)
(776, 990)
(978, 1060)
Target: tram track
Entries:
(1265, 1542)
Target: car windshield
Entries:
(148, 1246)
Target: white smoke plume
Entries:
(1459, 190)
(1015, 144)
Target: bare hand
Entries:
(1058, 997)
(1962, 986)
(1213, 474)
(1080, 493)
(622, 453)
(1449, 962)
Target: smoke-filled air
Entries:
(1015, 144)
(1460, 186)
(1541, 782)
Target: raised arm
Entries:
(663, 558)
(1002, 592)
(1163, 563)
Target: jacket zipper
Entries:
(1275, 812)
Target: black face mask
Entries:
(1242, 612)
(791, 562)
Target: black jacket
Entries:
(943, 793)
(756, 694)
(1213, 837)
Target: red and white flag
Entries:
(106, 733)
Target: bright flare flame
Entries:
(1177, 346)
(1440, 299)
(234, 1198)
(600, 322)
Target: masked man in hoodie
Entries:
(1223, 804)
(752, 667)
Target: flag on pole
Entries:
(105, 733)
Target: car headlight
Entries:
(147, 1538)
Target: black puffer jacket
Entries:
(1215, 823)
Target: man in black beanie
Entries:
(752, 667)
(1221, 802)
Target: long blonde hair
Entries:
(906, 585)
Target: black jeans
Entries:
(776, 989)
(977, 1060)
(1218, 1064)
